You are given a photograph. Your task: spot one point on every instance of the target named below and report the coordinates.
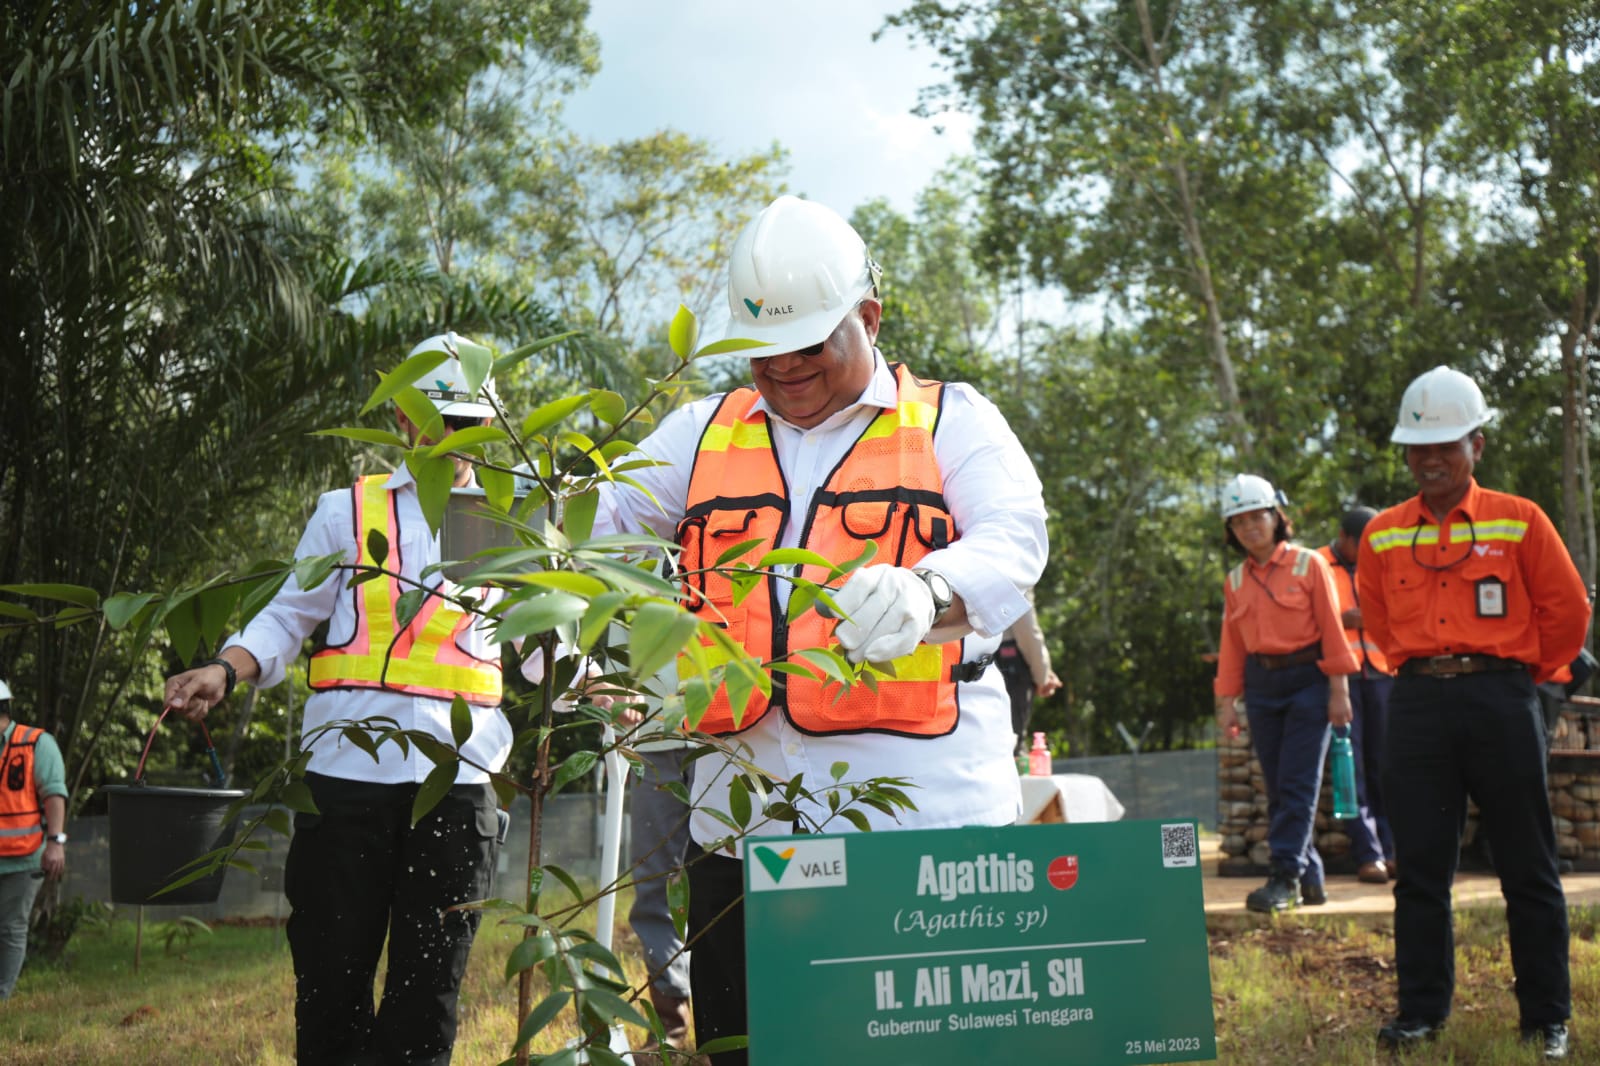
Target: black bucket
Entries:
(157, 831)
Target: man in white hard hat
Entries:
(358, 872)
(834, 449)
(1473, 598)
(33, 838)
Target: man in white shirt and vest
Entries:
(831, 449)
(358, 872)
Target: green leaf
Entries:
(609, 407)
(659, 631)
(857, 819)
(578, 518)
(12, 610)
(683, 332)
(552, 413)
(257, 594)
(532, 348)
(573, 766)
(365, 436)
(183, 626)
(460, 721)
(541, 1016)
(868, 550)
(598, 617)
(472, 436)
(830, 663)
(402, 377)
(313, 570)
(499, 487)
(277, 821)
(737, 550)
(422, 413)
(83, 597)
(539, 614)
(408, 606)
(477, 362)
(739, 801)
(568, 581)
(791, 557)
(377, 547)
(530, 952)
(730, 344)
(124, 607)
(215, 606)
(433, 789)
(434, 480)
(839, 769)
(297, 797)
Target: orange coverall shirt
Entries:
(1277, 608)
(1367, 651)
(1498, 582)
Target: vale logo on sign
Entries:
(797, 864)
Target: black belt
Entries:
(1294, 658)
(1456, 665)
(970, 671)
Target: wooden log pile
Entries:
(1574, 801)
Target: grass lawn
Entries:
(1297, 989)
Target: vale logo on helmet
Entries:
(755, 307)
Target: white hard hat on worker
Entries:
(446, 384)
(1247, 492)
(1440, 406)
(796, 271)
(801, 282)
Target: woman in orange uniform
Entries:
(1283, 649)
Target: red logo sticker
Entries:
(1063, 871)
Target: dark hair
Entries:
(1283, 532)
(1355, 520)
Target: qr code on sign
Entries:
(1178, 846)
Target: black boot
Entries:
(1281, 892)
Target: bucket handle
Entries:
(211, 750)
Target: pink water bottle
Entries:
(1039, 758)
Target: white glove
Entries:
(890, 611)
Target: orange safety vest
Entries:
(21, 815)
(888, 489)
(422, 660)
(1344, 580)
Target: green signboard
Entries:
(1053, 943)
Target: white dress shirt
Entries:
(967, 777)
(274, 638)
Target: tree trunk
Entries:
(1577, 486)
(1216, 336)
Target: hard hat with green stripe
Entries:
(1247, 492)
(446, 384)
(796, 271)
(1440, 406)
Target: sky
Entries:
(742, 75)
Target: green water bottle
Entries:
(1342, 765)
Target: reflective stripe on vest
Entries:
(1501, 529)
(886, 490)
(424, 659)
(21, 813)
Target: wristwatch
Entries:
(939, 588)
(57, 838)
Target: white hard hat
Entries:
(446, 384)
(1440, 406)
(796, 271)
(5, 691)
(1246, 492)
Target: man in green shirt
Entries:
(33, 819)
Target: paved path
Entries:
(1346, 895)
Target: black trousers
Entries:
(357, 873)
(716, 955)
(1478, 735)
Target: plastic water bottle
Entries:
(1039, 758)
(1342, 766)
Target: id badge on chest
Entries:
(1491, 598)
